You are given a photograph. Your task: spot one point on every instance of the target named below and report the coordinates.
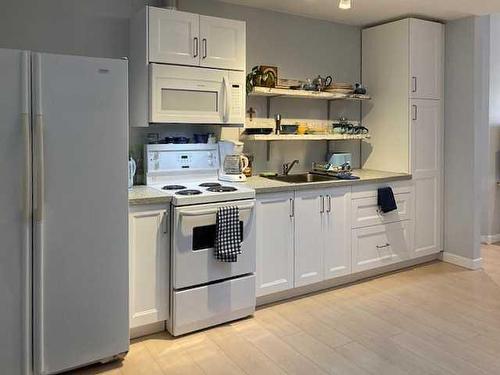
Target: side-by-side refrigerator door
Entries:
(15, 213)
(80, 265)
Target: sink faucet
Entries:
(287, 167)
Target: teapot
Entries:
(322, 83)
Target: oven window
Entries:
(204, 237)
(189, 100)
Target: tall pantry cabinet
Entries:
(403, 68)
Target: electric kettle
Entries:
(132, 168)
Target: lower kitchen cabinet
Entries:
(427, 166)
(309, 211)
(322, 235)
(275, 254)
(302, 238)
(381, 245)
(148, 264)
(337, 233)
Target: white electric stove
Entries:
(189, 173)
(203, 291)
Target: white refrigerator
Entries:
(63, 211)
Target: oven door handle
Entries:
(213, 211)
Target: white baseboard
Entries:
(148, 329)
(343, 280)
(472, 264)
(489, 239)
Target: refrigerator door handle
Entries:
(26, 190)
(40, 173)
(38, 135)
(38, 203)
(26, 129)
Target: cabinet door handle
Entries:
(196, 47)
(292, 208)
(165, 218)
(329, 204)
(413, 84)
(322, 209)
(204, 40)
(383, 246)
(415, 112)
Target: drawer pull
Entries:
(383, 246)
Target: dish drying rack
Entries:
(328, 169)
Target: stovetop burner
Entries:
(188, 192)
(221, 189)
(209, 184)
(173, 187)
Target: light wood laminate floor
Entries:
(431, 319)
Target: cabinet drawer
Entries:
(205, 306)
(381, 245)
(368, 191)
(365, 211)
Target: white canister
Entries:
(132, 168)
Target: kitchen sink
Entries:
(301, 178)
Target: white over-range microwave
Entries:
(182, 94)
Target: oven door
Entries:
(193, 236)
(182, 94)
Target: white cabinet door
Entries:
(427, 156)
(275, 255)
(309, 211)
(381, 245)
(426, 59)
(148, 264)
(337, 233)
(173, 37)
(222, 43)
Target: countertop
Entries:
(367, 176)
(141, 194)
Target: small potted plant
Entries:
(260, 77)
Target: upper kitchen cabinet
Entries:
(222, 43)
(402, 61)
(197, 49)
(190, 39)
(173, 37)
(426, 59)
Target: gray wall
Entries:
(80, 27)
(490, 225)
(466, 126)
(300, 47)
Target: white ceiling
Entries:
(367, 12)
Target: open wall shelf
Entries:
(306, 137)
(303, 94)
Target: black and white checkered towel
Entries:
(227, 234)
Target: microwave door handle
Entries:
(225, 83)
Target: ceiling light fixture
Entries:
(345, 4)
